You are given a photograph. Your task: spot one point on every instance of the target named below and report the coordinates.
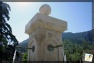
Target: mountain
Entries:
(78, 37)
(23, 44)
(73, 37)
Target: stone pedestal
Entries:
(45, 36)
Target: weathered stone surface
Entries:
(40, 39)
(45, 33)
(45, 9)
(44, 21)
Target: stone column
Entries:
(45, 36)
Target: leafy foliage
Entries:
(74, 51)
(6, 36)
(5, 28)
(24, 58)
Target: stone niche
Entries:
(45, 33)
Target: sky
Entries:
(78, 15)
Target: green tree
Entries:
(6, 36)
(86, 45)
(24, 58)
(73, 51)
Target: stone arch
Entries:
(32, 53)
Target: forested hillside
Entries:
(78, 37)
